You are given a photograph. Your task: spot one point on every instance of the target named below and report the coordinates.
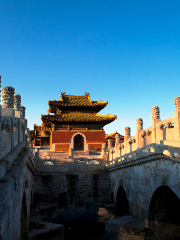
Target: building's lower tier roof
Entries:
(79, 118)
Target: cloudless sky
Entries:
(124, 51)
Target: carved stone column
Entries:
(155, 119)
(23, 111)
(0, 117)
(177, 118)
(103, 153)
(139, 128)
(109, 143)
(127, 135)
(8, 97)
(17, 108)
(117, 144)
(17, 102)
(8, 108)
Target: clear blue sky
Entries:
(124, 51)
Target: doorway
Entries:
(78, 143)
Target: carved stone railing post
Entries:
(109, 143)
(110, 147)
(155, 119)
(23, 120)
(111, 154)
(8, 109)
(0, 117)
(17, 108)
(127, 135)
(117, 144)
(23, 111)
(70, 152)
(103, 153)
(177, 118)
(139, 128)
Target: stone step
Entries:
(45, 230)
(125, 227)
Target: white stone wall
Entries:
(16, 179)
(166, 131)
(141, 176)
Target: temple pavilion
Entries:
(75, 123)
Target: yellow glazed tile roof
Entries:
(76, 100)
(79, 118)
(111, 135)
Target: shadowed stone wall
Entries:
(71, 195)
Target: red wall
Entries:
(65, 136)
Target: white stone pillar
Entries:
(127, 135)
(155, 119)
(17, 108)
(0, 117)
(139, 128)
(103, 152)
(177, 119)
(117, 145)
(23, 111)
(8, 108)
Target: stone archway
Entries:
(164, 212)
(78, 143)
(23, 229)
(122, 204)
(79, 137)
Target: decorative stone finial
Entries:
(23, 109)
(139, 123)
(155, 112)
(8, 97)
(17, 102)
(117, 138)
(109, 143)
(127, 131)
(177, 104)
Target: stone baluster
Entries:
(155, 119)
(139, 123)
(127, 135)
(70, 152)
(24, 121)
(139, 128)
(17, 102)
(155, 112)
(17, 108)
(117, 144)
(177, 118)
(23, 112)
(0, 116)
(111, 154)
(127, 132)
(103, 153)
(8, 97)
(109, 143)
(8, 109)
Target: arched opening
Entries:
(78, 142)
(122, 204)
(164, 212)
(23, 230)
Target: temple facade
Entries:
(75, 123)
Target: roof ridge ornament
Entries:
(62, 95)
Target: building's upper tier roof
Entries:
(76, 102)
(66, 118)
